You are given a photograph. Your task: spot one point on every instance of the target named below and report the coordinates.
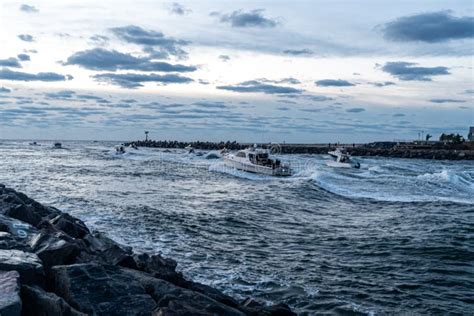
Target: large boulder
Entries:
(70, 225)
(28, 265)
(54, 247)
(19, 230)
(159, 267)
(101, 290)
(177, 301)
(10, 302)
(41, 303)
(100, 248)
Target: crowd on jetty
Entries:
(51, 263)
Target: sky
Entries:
(251, 71)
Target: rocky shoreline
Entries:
(52, 264)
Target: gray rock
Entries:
(101, 290)
(159, 267)
(27, 264)
(41, 303)
(18, 229)
(70, 225)
(54, 248)
(177, 301)
(103, 249)
(10, 302)
(23, 212)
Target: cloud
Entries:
(8, 74)
(133, 81)
(63, 94)
(208, 104)
(254, 18)
(26, 37)
(289, 80)
(102, 59)
(203, 81)
(398, 115)
(407, 71)
(5, 90)
(253, 86)
(429, 27)
(298, 52)
(151, 40)
(128, 101)
(355, 110)
(28, 8)
(224, 58)
(10, 62)
(383, 84)
(333, 83)
(178, 9)
(23, 57)
(447, 101)
(469, 91)
(99, 39)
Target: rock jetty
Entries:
(51, 263)
(421, 150)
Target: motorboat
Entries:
(342, 159)
(34, 144)
(133, 146)
(257, 160)
(190, 149)
(120, 149)
(57, 145)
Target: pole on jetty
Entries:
(146, 135)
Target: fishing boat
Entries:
(257, 160)
(341, 159)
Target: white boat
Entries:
(256, 160)
(190, 149)
(342, 159)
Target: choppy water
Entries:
(395, 236)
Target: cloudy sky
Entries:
(257, 71)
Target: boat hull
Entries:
(280, 172)
(336, 164)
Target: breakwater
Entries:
(52, 264)
(436, 150)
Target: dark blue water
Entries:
(395, 236)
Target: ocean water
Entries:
(395, 236)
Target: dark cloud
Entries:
(333, 83)
(156, 43)
(5, 90)
(102, 59)
(208, 104)
(99, 39)
(23, 57)
(254, 18)
(283, 108)
(28, 8)
(179, 9)
(8, 74)
(203, 81)
(355, 110)
(26, 37)
(382, 84)
(429, 27)
(133, 81)
(259, 86)
(10, 62)
(298, 52)
(447, 101)
(128, 101)
(289, 80)
(409, 71)
(64, 94)
(224, 58)
(398, 115)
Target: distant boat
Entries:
(57, 145)
(34, 144)
(120, 149)
(190, 149)
(342, 159)
(257, 160)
